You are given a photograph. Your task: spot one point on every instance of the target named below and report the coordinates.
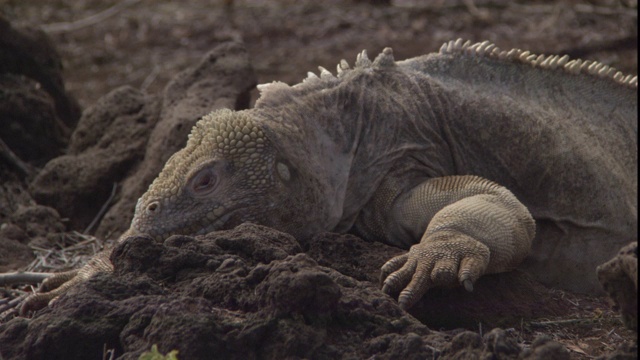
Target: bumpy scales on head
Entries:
(225, 168)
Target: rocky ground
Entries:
(141, 74)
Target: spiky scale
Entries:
(325, 74)
(362, 60)
(384, 59)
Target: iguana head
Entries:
(228, 173)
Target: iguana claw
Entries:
(50, 289)
(59, 283)
(468, 285)
(447, 261)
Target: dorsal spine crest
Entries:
(459, 47)
(577, 66)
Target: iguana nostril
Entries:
(153, 206)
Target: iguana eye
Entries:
(203, 182)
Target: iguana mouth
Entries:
(217, 224)
(201, 227)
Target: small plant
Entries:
(154, 354)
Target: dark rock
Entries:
(36, 118)
(29, 124)
(38, 220)
(28, 50)
(297, 286)
(13, 253)
(222, 79)
(498, 300)
(501, 345)
(543, 348)
(246, 293)
(466, 340)
(249, 292)
(13, 232)
(37, 113)
(13, 183)
(109, 140)
(350, 255)
(626, 351)
(410, 346)
(29, 225)
(619, 278)
(127, 136)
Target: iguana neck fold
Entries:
(334, 134)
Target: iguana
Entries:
(450, 155)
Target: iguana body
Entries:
(388, 149)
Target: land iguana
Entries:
(457, 156)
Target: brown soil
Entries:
(145, 44)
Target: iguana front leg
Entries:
(59, 283)
(473, 227)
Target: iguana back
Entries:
(562, 139)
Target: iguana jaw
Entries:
(201, 225)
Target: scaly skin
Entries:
(411, 153)
(473, 227)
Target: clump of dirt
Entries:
(244, 293)
(619, 277)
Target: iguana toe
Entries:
(395, 281)
(408, 276)
(471, 268)
(419, 283)
(447, 261)
(391, 266)
(50, 290)
(57, 279)
(36, 302)
(444, 272)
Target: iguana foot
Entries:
(59, 283)
(448, 260)
(50, 289)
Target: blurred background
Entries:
(106, 44)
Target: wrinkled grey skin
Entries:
(562, 141)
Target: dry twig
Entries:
(103, 209)
(562, 322)
(12, 159)
(22, 278)
(88, 21)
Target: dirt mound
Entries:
(127, 136)
(36, 118)
(500, 300)
(240, 294)
(619, 277)
(36, 111)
